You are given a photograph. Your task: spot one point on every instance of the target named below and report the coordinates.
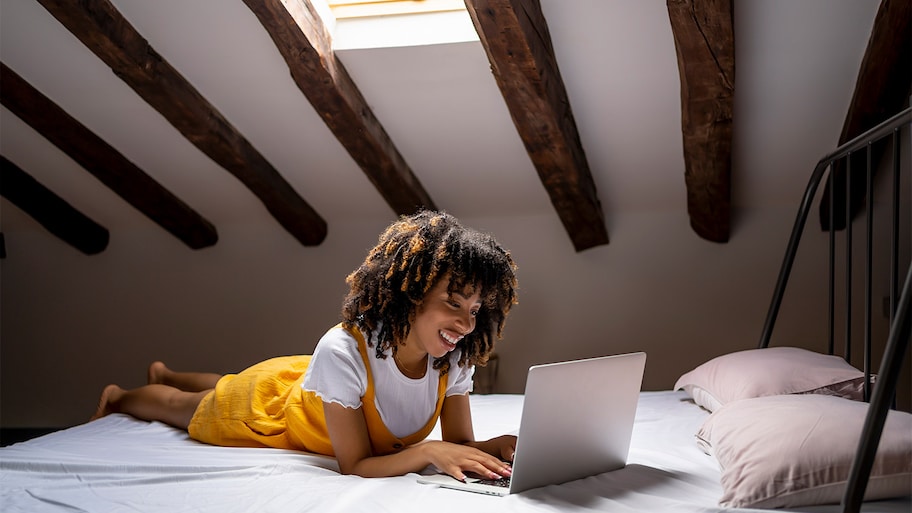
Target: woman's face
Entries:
(442, 319)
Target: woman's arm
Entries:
(456, 426)
(351, 444)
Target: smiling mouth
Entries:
(450, 339)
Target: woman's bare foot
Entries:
(108, 396)
(157, 371)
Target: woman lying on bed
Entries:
(428, 302)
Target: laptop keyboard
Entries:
(503, 482)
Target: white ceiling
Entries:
(796, 64)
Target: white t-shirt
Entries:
(336, 374)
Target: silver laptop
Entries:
(577, 420)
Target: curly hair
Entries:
(412, 255)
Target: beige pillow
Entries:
(770, 371)
(796, 450)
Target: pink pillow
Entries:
(796, 450)
(770, 371)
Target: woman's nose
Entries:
(466, 323)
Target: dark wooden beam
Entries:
(101, 27)
(50, 210)
(104, 162)
(705, 45)
(515, 37)
(302, 39)
(881, 90)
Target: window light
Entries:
(360, 24)
(343, 9)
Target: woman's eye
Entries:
(474, 313)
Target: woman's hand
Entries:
(456, 459)
(351, 443)
(503, 446)
(456, 426)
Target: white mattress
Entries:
(121, 464)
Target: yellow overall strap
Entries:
(382, 441)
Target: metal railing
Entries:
(900, 302)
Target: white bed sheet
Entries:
(121, 464)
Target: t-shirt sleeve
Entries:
(336, 372)
(459, 379)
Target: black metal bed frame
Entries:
(900, 301)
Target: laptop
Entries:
(577, 421)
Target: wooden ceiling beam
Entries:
(515, 37)
(101, 27)
(705, 46)
(881, 90)
(104, 162)
(50, 210)
(303, 40)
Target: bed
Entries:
(121, 464)
(771, 427)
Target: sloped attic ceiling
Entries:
(218, 74)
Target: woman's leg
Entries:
(151, 402)
(159, 374)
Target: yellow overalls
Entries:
(265, 406)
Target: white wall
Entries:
(71, 323)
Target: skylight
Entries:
(343, 9)
(391, 23)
